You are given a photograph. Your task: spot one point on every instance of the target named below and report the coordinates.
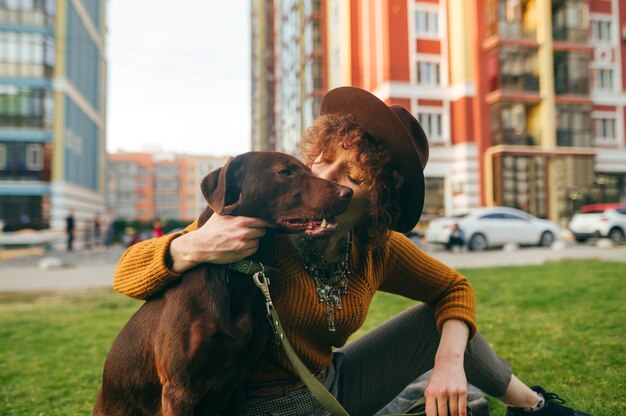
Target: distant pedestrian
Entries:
(457, 238)
(97, 234)
(70, 229)
(157, 227)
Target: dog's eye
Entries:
(285, 172)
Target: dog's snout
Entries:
(345, 192)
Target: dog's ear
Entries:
(220, 188)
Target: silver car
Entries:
(489, 227)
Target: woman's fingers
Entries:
(431, 406)
(447, 403)
(442, 405)
(453, 405)
(463, 403)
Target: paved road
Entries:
(95, 269)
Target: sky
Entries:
(179, 76)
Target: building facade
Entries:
(145, 186)
(52, 111)
(289, 73)
(523, 101)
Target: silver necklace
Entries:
(331, 279)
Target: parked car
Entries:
(495, 226)
(600, 220)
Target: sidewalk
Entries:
(88, 270)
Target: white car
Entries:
(495, 226)
(600, 220)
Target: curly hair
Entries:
(381, 181)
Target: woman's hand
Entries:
(446, 393)
(222, 239)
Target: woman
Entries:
(324, 286)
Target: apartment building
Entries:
(144, 186)
(288, 70)
(52, 111)
(523, 101)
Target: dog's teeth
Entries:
(323, 224)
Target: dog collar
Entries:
(247, 266)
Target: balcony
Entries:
(573, 138)
(509, 124)
(571, 72)
(509, 19)
(513, 137)
(521, 82)
(578, 87)
(513, 68)
(570, 21)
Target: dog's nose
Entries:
(345, 192)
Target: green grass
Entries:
(560, 325)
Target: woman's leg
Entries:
(519, 394)
(375, 368)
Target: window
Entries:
(495, 216)
(426, 23)
(428, 73)
(434, 201)
(573, 125)
(571, 72)
(431, 122)
(601, 31)
(603, 78)
(25, 107)
(34, 157)
(508, 216)
(3, 157)
(520, 182)
(604, 130)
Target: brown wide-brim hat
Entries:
(403, 135)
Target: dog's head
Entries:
(277, 188)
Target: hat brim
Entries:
(380, 121)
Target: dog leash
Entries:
(317, 389)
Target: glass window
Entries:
(34, 156)
(570, 72)
(428, 73)
(603, 78)
(434, 200)
(509, 216)
(491, 217)
(604, 130)
(426, 23)
(601, 31)
(432, 124)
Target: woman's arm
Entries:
(222, 239)
(148, 266)
(412, 273)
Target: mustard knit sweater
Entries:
(397, 267)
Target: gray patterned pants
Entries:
(369, 372)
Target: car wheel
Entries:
(546, 240)
(616, 235)
(478, 242)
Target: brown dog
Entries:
(185, 350)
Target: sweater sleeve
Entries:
(143, 269)
(416, 275)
